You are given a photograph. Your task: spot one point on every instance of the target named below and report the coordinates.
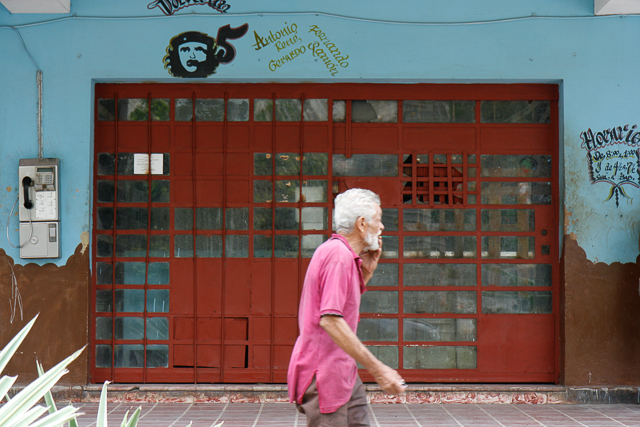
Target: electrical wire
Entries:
(30, 227)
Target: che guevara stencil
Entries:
(195, 55)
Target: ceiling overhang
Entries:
(37, 6)
(616, 7)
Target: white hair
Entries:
(353, 204)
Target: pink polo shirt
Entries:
(333, 285)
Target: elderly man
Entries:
(323, 378)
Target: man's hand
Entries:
(389, 380)
(340, 332)
(370, 261)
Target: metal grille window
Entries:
(200, 252)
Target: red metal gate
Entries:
(198, 265)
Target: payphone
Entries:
(39, 198)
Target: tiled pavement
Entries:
(381, 415)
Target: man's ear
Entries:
(361, 224)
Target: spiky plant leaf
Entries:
(30, 395)
(8, 351)
(101, 421)
(48, 397)
(6, 383)
(28, 417)
(133, 422)
(57, 418)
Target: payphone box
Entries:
(39, 208)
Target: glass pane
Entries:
(263, 110)
(439, 357)
(385, 275)
(262, 191)
(129, 328)
(157, 328)
(389, 246)
(103, 356)
(287, 219)
(106, 191)
(262, 246)
(439, 247)
(106, 109)
(387, 354)
(379, 302)
(104, 245)
(131, 245)
(133, 109)
(508, 220)
(106, 164)
(378, 329)
(438, 111)
(160, 189)
(209, 246)
(183, 246)
(439, 329)
(288, 191)
(104, 328)
(210, 218)
(315, 163)
(131, 218)
(439, 220)
(515, 111)
(461, 302)
(237, 218)
(516, 275)
(157, 356)
(103, 301)
(129, 300)
(262, 164)
(508, 247)
(160, 109)
(286, 246)
(374, 111)
(516, 193)
(494, 302)
(314, 218)
(158, 300)
(439, 275)
(158, 273)
(104, 273)
(314, 191)
(527, 166)
(184, 109)
(160, 218)
(365, 165)
(288, 110)
(209, 110)
(310, 242)
(159, 246)
(236, 246)
(390, 219)
(129, 356)
(287, 164)
(183, 219)
(104, 218)
(262, 218)
(238, 110)
(130, 273)
(316, 110)
(339, 111)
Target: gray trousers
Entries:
(354, 413)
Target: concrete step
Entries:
(416, 393)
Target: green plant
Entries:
(22, 410)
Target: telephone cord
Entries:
(30, 227)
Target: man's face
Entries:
(374, 230)
(192, 53)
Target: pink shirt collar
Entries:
(356, 258)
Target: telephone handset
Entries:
(26, 182)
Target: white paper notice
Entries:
(46, 205)
(141, 163)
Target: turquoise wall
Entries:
(595, 60)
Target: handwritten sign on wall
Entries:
(613, 157)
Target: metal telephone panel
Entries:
(39, 191)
